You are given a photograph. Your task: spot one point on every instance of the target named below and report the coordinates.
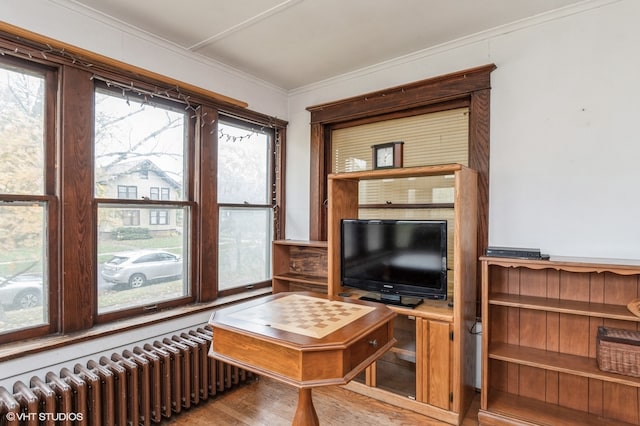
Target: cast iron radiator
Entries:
(139, 386)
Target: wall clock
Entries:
(387, 155)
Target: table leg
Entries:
(306, 412)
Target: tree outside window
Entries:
(152, 141)
(139, 149)
(24, 284)
(245, 202)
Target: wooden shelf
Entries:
(572, 307)
(506, 408)
(570, 264)
(299, 265)
(554, 361)
(302, 243)
(405, 172)
(556, 304)
(406, 354)
(438, 310)
(302, 278)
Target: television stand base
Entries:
(404, 301)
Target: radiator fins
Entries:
(140, 386)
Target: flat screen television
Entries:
(401, 262)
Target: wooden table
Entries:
(304, 339)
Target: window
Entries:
(131, 137)
(127, 192)
(245, 197)
(156, 193)
(132, 270)
(25, 202)
(130, 217)
(440, 137)
(159, 217)
(98, 174)
(467, 89)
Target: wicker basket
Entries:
(618, 351)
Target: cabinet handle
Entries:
(373, 343)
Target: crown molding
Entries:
(479, 37)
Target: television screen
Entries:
(395, 258)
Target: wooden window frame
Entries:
(72, 208)
(469, 88)
(273, 149)
(48, 198)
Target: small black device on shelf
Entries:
(400, 261)
(516, 252)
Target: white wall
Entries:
(564, 139)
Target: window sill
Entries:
(18, 349)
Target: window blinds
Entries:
(435, 138)
(429, 139)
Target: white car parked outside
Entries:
(137, 268)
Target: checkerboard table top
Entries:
(306, 315)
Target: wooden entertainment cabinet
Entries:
(540, 320)
(436, 350)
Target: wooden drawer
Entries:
(368, 345)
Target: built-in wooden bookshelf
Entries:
(540, 320)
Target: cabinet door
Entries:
(395, 371)
(434, 369)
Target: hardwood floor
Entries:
(271, 403)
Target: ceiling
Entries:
(293, 43)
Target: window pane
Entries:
(130, 217)
(141, 265)
(23, 275)
(21, 133)
(243, 166)
(137, 146)
(158, 217)
(245, 246)
(127, 192)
